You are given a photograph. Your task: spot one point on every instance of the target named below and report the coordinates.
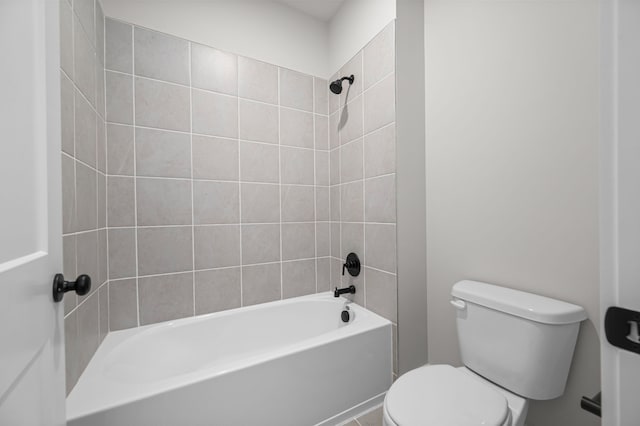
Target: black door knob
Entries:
(81, 286)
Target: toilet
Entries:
(514, 345)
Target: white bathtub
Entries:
(291, 362)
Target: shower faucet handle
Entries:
(352, 264)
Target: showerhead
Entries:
(336, 86)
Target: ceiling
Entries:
(321, 9)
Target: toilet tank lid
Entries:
(519, 303)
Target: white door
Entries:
(620, 206)
(31, 327)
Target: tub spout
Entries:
(338, 291)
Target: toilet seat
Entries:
(441, 395)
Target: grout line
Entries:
(135, 174)
(280, 184)
(239, 186)
(193, 228)
(364, 204)
(315, 184)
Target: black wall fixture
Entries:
(352, 264)
(81, 286)
(336, 86)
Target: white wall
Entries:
(512, 166)
(354, 25)
(262, 29)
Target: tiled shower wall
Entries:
(83, 179)
(362, 176)
(217, 179)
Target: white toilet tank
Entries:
(520, 341)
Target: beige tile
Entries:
(323, 239)
(379, 56)
(163, 154)
(351, 159)
(298, 278)
(297, 203)
(257, 80)
(260, 243)
(334, 197)
(120, 201)
(215, 158)
(322, 168)
(296, 128)
(212, 69)
(382, 293)
(88, 330)
(350, 121)
(381, 247)
(86, 197)
(123, 307)
(334, 130)
(321, 93)
(102, 200)
(214, 114)
(103, 257)
(103, 300)
(298, 241)
(352, 240)
(161, 56)
(71, 350)
(296, 90)
(296, 166)
(323, 203)
(372, 418)
(380, 199)
(164, 250)
(321, 128)
(336, 271)
(120, 149)
(66, 37)
(67, 130)
(84, 55)
(69, 269)
(260, 283)
(260, 203)
(217, 246)
(69, 216)
(352, 205)
(217, 290)
(323, 272)
(334, 167)
(119, 98)
(118, 46)
(85, 131)
(216, 202)
(101, 145)
(122, 253)
(162, 105)
(259, 163)
(336, 240)
(380, 104)
(380, 152)
(258, 122)
(165, 297)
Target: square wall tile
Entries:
(88, 330)
(323, 239)
(163, 154)
(119, 98)
(260, 243)
(334, 167)
(351, 159)
(69, 216)
(162, 105)
(165, 297)
(380, 199)
(100, 32)
(297, 203)
(214, 114)
(164, 250)
(336, 240)
(72, 370)
(86, 197)
(103, 299)
(120, 201)
(296, 90)
(321, 128)
(120, 149)
(163, 201)
(122, 253)
(216, 202)
(102, 201)
(379, 56)
(298, 278)
(260, 284)
(259, 163)
(321, 96)
(353, 67)
(215, 158)
(353, 240)
(334, 128)
(123, 306)
(381, 247)
(161, 56)
(323, 203)
(382, 293)
(380, 152)
(66, 37)
(87, 256)
(213, 69)
(217, 246)
(67, 129)
(296, 128)
(103, 255)
(85, 12)
(118, 55)
(257, 80)
(380, 104)
(297, 166)
(322, 168)
(101, 146)
(350, 121)
(352, 204)
(260, 203)
(335, 201)
(84, 72)
(258, 122)
(85, 131)
(217, 290)
(323, 273)
(298, 241)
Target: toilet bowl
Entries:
(446, 396)
(515, 346)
